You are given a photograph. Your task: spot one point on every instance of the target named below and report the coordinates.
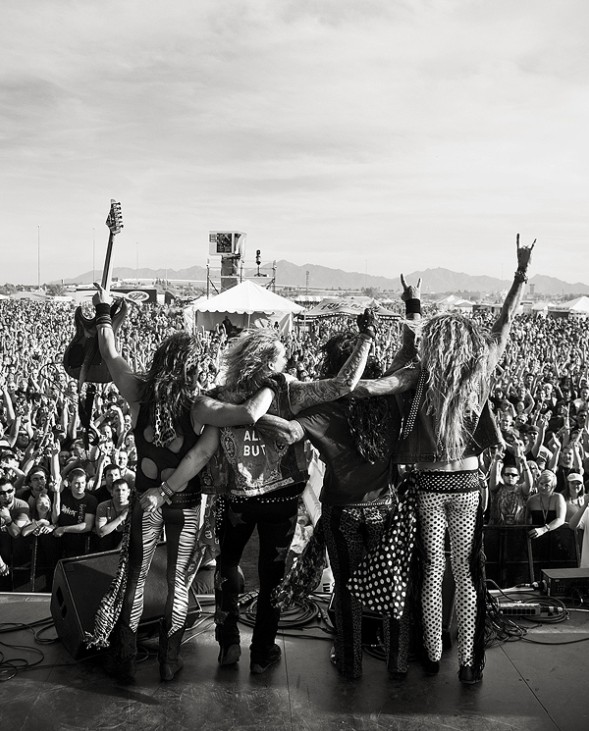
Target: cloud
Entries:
(345, 133)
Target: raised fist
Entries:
(367, 322)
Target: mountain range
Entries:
(313, 277)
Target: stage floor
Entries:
(538, 684)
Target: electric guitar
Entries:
(82, 359)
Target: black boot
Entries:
(227, 635)
(120, 662)
(169, 652)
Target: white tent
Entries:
(246, 305)
(453, 302)
(578, 306)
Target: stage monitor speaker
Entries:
(80, 583)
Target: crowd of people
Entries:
(66, 490)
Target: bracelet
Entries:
(413, 306)
(164, 497)
(520, 276)
(104, 320)
(166, 492)
(547, 527)
(166, 489)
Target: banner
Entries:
(348, 306)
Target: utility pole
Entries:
(38, 257)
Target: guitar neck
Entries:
(107, 270)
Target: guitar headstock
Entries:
(115, 217)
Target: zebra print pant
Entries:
(181, 526)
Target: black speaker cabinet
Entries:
(81, 582)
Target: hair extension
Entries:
(455, 354)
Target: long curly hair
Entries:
(370, 420)
(455, 354)
(247, 362)
(171, 383)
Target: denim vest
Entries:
(258, 466)
(420, 444)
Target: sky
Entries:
(373, 136)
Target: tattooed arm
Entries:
(305, 394)
(398, 382)
(280, 430)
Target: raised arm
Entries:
(500, 330)
(411, 296)
(494, 472)
(309, 393)
(121, 372)
(524, 469)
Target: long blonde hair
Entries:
(246, 363)
(455, 355)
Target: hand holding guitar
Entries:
(102, 296)
(82, 358)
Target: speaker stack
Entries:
(80, 583)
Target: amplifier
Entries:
(565, 582)
(80, 583)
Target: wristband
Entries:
(520, 276)
(102, 308)
(413, 306)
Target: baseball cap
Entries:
(574, 477)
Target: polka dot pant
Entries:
(458, 513)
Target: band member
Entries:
(265, 482)
(447, 427)
(355, 437)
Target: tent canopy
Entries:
(579, 304)
(246, 305)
